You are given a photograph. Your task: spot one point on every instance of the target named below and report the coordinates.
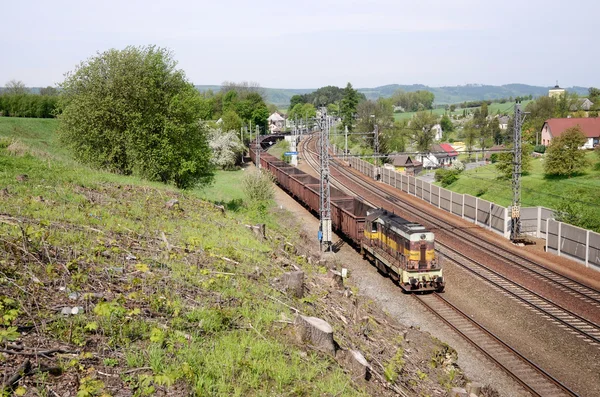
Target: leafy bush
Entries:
(446, 176)
(539, 148)
(133, 113)
(258, 187)
(494, 158)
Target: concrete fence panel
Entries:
(445, 199)
(573, 241)
(545, 214)
(529, 221)
(427, 192)
(419, 188)
(457, 204)
(411, 184)
(484, 214)
(594, 250)
(552, 236)
(470, 207)
(435, 195)
(405, 183)
(498, 219)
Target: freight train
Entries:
(400, 249)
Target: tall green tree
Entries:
(422, 133)
(133, 112)
(563, 156)
(505, 163)
(446, 124)
(296, 99)
(348, 106)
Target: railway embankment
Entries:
(113, 286)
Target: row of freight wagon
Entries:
(347, 213)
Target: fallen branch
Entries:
(283, 303)
(22, 371)
(38, 353)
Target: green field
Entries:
(493, 109)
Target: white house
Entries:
(276, 123)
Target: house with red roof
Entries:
(590, 127)
(452, 154)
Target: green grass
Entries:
(227, 187)
(184, 307)
(537, 190)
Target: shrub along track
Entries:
(525, 371)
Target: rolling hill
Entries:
(443, 95)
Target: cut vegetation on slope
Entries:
(110, 285)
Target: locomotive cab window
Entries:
(374, 227)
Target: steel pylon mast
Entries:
(325, 234)
(258, 148)
(515, 217)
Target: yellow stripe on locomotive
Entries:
(402, 249)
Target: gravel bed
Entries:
(406, 309)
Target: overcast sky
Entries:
(308, 44)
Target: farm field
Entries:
(493, 109)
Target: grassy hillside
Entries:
(106, 290)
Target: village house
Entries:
(555, 127)
(276, 123)
(452, 154)
(582, 104)
(404, 163)
(436, 157)
(503, 122)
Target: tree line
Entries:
(17, 101)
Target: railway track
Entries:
(527, 373)
(533, 269)
(583, 328)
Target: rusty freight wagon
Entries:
(402, 250)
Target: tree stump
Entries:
(474, 388)
(336, 280)
(171, 204)
(355, 362)
(317, 332)
(458, 392)
(293, 282)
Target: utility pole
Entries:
(515, 216)
(242, 140)
(258, 148)
(376, 145)
(325, 234)
(346, 145)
